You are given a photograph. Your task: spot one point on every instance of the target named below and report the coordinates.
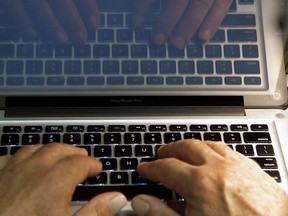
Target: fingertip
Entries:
(117, 203)
(158, 38)
(140, 206)
(178, 41)
(205, 35)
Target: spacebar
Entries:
(85, 193)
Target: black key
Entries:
(85, 193)
(247, 67)
(265, 150)
(25, 51)
(54, 129)
(139, 51)
(168, 67)
(157, 51)
(92, 67)
(266, 163)
(246, 150)
(239, 127)
(224, 67)
(257, 137)
(92, 138)
(30, 139)
(259, 127)
(143, 150)
(7, 50)
(195, 51)
(178, 128)
(130, 67)
(101, 51)
(98, 180)
(44, 51)
(119, 178)
(115, 20)
(238, 20)
(75, 128)
(212, 136)
(274, 174)
(232, 138)
(132, 138)
(219, 36)
(242, 35)
(102, 151)
(72, 67)
(50, 138)
(192, 136)
(53, 67)
(33, 129)
(72, 138)
(186, 67)
(120, 51)
(116, 128)
(198, 128)
(149, 67)
(158, 128)
(63, 51)
(137, 128)
(137, 179)
(219, 127)
(205, 67)
(111, 67)
(171, 137)
(34, 67)
(3, 151)
(96, 128)
(10, 139)
(152, 138)
(175, 53)
(123, 150)
(82, 51)
(105, 35)
(11, 129)
(124, 35)
(250, 51)
(213, 51)
(128, 163)
(14, 68)
(232, 51)
(112, 138)
(109, 163)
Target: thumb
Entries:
(145, 205)
(104, 204)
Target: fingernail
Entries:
(205, 35)
(117, 203)
(158, 38)
(178, 41)
(140, 206)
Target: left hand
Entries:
(40, 180)
(181, 19)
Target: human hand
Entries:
(213, 180)
(40, 180)
(181, 19)
(60, 21)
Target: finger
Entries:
(68, 15)
(214, 19)
(148, 205)
(46, 20)
(223, 149)
(24, 153)
(140, 11)
(89, 11)
(192, 151)
(4, 160)
(54, 152)
(72, 170)
(18, 11)
(103, 204)
(167, 20)
(190, 22)
(171, 172)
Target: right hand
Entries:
(60, 21)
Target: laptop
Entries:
(121, 97)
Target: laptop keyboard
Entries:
(118, 57)
(121, 147)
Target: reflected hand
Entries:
(181, 19)
(60, 21)
(213, 180)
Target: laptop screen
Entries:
(118, 52)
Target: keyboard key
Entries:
(274, 174)
(7, 50)
(72, 67)
(44, 51)
(143, 151)
(96, 128)
(92, 67)
(257, 137)
(34, 68)
(220, 127)
(238, 20)
(219, 37)
(82, 51)
(53, 67)
(123, 151)
(224, 67)
(265, 150)
(132, 138)
(124, 35)
(33, 129)
(259, 127)
(102, 151)
(15, 81)
(30, 139)
(14, 67)
(172, 137)
(98, 180)
(95, 81)
(155, 80)
(198, 128)
(105, 35)
(205, 67)
(186, 67)
(119, 178)
(157, 128)
(190, 135)
(231, 51)
(195, 51)
(247, 67)
(128, 163)
(233, 80)
(55, 81)
(130, 67)
(92, 138)
(25, 51)
(115, 20)
(112, 138)
(63, 51)
(148, 67)
(109, 163)
(115, 80)
(252, 80)
(51, 138)
(157, 51)
(266, 163)
(212, 136)
(213, 51)
(232, 138)
(246, 150)
(213, 80)
(173, 52)
(152, 138)
(137, 128)
(240, 127)
(111, 67)
(250, 51)
(174, 80)
(178, 128)
(72, 138)
(242, 35)
(139, 51)
(135, 80)
(167, 67)
(9, 139)
(54, 128)
(120, 51)
(11, 129)
(3, 151)
(194, 81)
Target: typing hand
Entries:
(59, 21)
(40, 180)
(181, 19)
(213, 180)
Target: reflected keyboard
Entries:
(117, 57)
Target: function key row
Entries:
(134, 128)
